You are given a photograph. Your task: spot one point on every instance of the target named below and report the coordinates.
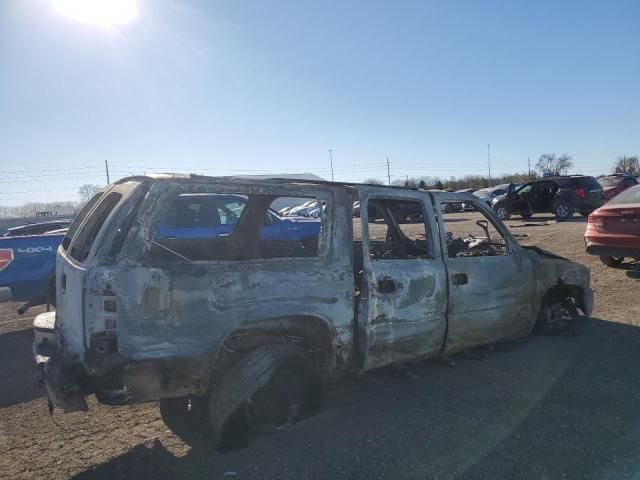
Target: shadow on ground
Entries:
(543, 407)
(577, 218)
(17, 368)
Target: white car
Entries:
(488, 194)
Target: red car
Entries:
(613, 231)
(615, 184)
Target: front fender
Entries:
(553, 271)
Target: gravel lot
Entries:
(540, 408)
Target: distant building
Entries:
(57, 210)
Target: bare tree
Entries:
(373, 181)
(628, 165)
(554, 165)
(87, 191)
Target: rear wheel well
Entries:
(309, 333)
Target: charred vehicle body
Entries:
(237, 333)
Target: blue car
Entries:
(211, 215)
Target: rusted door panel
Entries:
(403, 302)
(186, 308)
(490, 298)
(494, 304)
(165, 313)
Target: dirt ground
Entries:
(544, 407)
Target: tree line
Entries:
(547, 164)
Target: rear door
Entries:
(402, 284)
(73, 257)
(490, 278)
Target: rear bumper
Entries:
(611, 244)
(6, 295)
(112, 379)
(64, 381)
(613, 251)
(32, 291)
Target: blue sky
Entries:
(235, 86)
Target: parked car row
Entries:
(311, 208)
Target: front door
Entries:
(402, 299)
(490, 278)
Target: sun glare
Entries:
(105, 13)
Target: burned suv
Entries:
(561, 196)
(236, 328)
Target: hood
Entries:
(542, 251)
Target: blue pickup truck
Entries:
(27, 266)
(27, 263)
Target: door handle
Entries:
(459, 279)
(387, 285)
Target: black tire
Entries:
(186, 418)
(310, 244)
(448, 208)
(289, 389)
(563, 210)
(526, 214)
(502, 211)
(556, 316)
(585, 214)
(611, 261)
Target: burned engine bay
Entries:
(472, 246)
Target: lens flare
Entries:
(106, 13)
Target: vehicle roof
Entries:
(37, 224)
(562, 177)
(181, 177)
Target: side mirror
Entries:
(511, 192)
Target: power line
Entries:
(331, 160)
(489, 162)
(52, 169)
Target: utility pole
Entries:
(388, 173)
(331, 162)
(489, 162)
(106, 167)
(529, 164)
